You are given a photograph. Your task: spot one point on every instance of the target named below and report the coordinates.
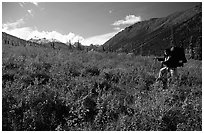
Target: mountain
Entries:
(54, 43)
(37, 42)
(42, 40)
(9, 40)
(154, 35)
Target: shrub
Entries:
(46, 89)
(92, 71)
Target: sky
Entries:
(86, 22)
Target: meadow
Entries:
(63, 90)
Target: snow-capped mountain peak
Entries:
(42, 40)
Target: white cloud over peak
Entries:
(19, 32)
(28, 33)
(130, 19)
(16, 29)
(56, 35)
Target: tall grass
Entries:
(45, 89)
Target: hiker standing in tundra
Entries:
(173, 58)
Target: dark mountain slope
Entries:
(154, 35)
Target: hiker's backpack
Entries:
(178, 55)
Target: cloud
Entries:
(110, 11)
(35, 3)
(21, 4)
(117, 28)
(13, 25)
(22, 33)
(28, 33)
(99, 39)
(30, 12)
(56, 35)
(130, 19)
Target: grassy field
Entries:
(46, 89)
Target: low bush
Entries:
(48, 90)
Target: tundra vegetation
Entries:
(47, 89)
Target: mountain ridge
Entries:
(156, 34)
(42, 40)
(10, 40)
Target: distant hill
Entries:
(15, 41)
(46, 43)
(154, 35)
(42, 40)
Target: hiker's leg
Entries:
(162, 73)
(165, 78)
(174, 74)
